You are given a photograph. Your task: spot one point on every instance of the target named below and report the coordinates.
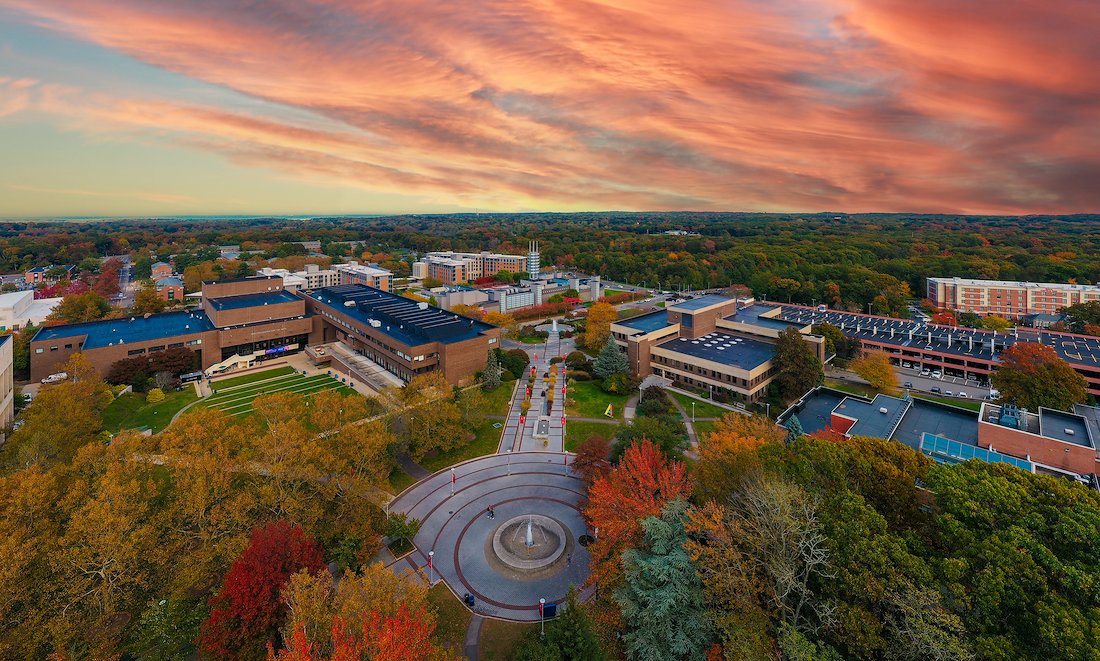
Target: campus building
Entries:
(710, 343)
(20, 308)
(1013, 300)
(160, 270)
(7, 384)
(969, 353)
(257, 319)
(1052, 442)
(170, 288)
(314, 277)
(38, 275)
(354, 273)
(453, 268)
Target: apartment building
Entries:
(354, 273)
(1007, 299)
(453, 268)
(39, 274)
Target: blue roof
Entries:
(700, 303)
(398, 317)
(870, 420)
(740, 352)
(647, 323)
(108, 332)
(252, 300)
(815, 409)
(925, 416)
(169, 281)
(1065, 427)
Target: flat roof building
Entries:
(709, 344)
(20, 308)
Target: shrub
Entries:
(155, 395)
(578, 375)
(619, 384)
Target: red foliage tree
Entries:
(399, 637)
(641, 486)
(944, 318)
(247, 611)
(106, 285)
(593, 459)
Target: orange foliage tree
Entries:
(641, 485)
(396, 637)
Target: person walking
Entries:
(492, 514)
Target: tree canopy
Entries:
(1033, 375)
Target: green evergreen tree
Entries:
(663, 608)
(490, 376)
(569, 637)
(794, 429)
(611, 360)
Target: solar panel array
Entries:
(404, 314)
(963, 342)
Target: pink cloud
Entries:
(844, 104)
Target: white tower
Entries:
(533, 260)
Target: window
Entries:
(156, 348)
(175, 345)
(68, 346)
(38, 350)
(54, 348)
(135, 352)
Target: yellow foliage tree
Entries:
(600, 317)
(875, 368)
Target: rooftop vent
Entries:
(1069, 432)
(883, 410)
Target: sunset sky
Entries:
(151, 107)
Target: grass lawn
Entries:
(970, 404)
(578, 432)
(612, 292)
(452, 618)
(854, 388)
(587, 400)
(869, 392)
(131, 411)
(499, 638)
(703, 427)
(486, 440)
(499, 399)
(400, 480)
(237, 399)
(702, 409)
(252, 377)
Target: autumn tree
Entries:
(600, 317)
(798, 369)
(77, 308)
(663, 609)
(398, 637)
(993, 322)
(467, 310)
(1032, 375)
(490, 376)
(569, 636)
(593, 459)
(432, 419)
(247, 610)
(504, 320)
(148, 300)
(874, 367)
(639, 487)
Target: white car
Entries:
(962, 393)
(56, 378)
(948, 393)
(936, 375)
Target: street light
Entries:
(693, 412)
(542, 619)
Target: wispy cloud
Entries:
(838, 104)
(151, 196)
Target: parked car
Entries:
(925, 372)
(935, 389)
(962, 393)
(56, 378)
(948, 393)
(936, 375)
(907, 384)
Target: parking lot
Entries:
(952, 384)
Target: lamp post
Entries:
(693, 412)
(453, 479)
(542, 619)
(431, 568)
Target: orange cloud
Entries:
(861, 105)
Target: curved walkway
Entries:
(457, 529)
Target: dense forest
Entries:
(855, 261)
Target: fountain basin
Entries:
(510, 542)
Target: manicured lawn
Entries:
(400, 480)
(499, 639)
(131, 411)
(854, 388)
(251, 377)
(612, 292)
(971, 404)
(578, 432)
(237, 400)
(702, 409)
(499, 399)
(703, 427)
(486, 440)
(452, 619)
(587, 400)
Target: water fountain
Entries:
(529, 543)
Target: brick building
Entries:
(259, 319)
(709, 343)
(1007, 299)
(453, 268)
